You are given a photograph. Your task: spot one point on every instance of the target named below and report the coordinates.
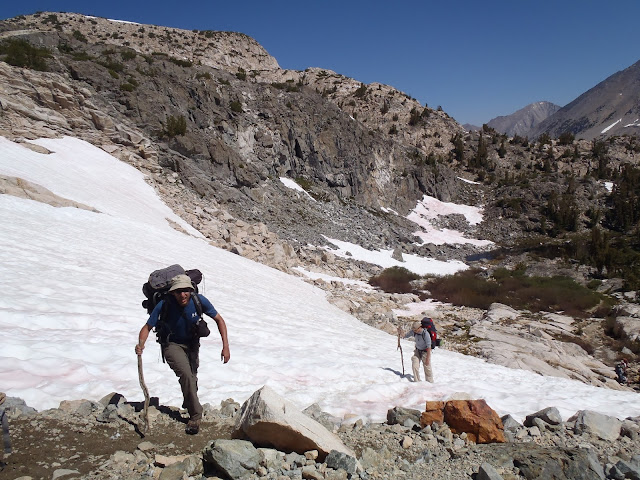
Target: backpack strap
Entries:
(197, 303)
(161, 326)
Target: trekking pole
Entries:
(400, 348)
(144, 419)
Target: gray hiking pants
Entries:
(185, 368)
(425, 358)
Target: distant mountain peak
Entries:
(608, 109)
(522, 121)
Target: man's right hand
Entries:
(139, 349)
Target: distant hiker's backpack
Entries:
(427, 323)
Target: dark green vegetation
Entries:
(21, 53)
(472, 288)
(394, 280)
(475, 288)
(175, 126)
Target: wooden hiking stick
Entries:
(144, 418)
(400, 348)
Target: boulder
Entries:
(400, 415)
(340, 460)
(627, 327)
(510, 423)
(434, 413)
(481, 423)
(487, 472)
(235, 458)
(498, 311)
(602, 426)
(269, 420)
(550, 415)
(559, 463)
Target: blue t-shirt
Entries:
(178, 320)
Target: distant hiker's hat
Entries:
(416, 325)
(181, 281)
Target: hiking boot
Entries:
(193, 427)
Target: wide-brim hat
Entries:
(181, 282)
(416, 325)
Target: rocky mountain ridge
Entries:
(522, 121)
(609, 108)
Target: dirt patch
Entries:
(43, 445)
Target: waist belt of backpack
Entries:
(5, 432)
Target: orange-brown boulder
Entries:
(434, 413)
(481, 423)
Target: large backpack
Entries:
(157, 289)
(428, 324)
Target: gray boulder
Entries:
(399, 415)
(235, 458)
(629, 469)
(339, 460)
(557, 463)
(510, 423)
(270, 420)
(549, 415)
(487, 472)
(594, 423)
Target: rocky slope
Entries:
(100, 440)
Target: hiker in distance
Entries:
(422, 353)
(179, 348)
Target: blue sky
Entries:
(476, 59)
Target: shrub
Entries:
(51, 18)
(128, 55)
(236, 106)
(176, 126)
(81, 56)
(21, 53)
(361, 91)
(415, 117)
(64, 47)
(304, 183)
(515, 289)
(566, 138)
(180, 62)
(78, 35)
(110, 64)
(394, 280)
(241, 74)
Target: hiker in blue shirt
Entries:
(422, 353)
(179, 348)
